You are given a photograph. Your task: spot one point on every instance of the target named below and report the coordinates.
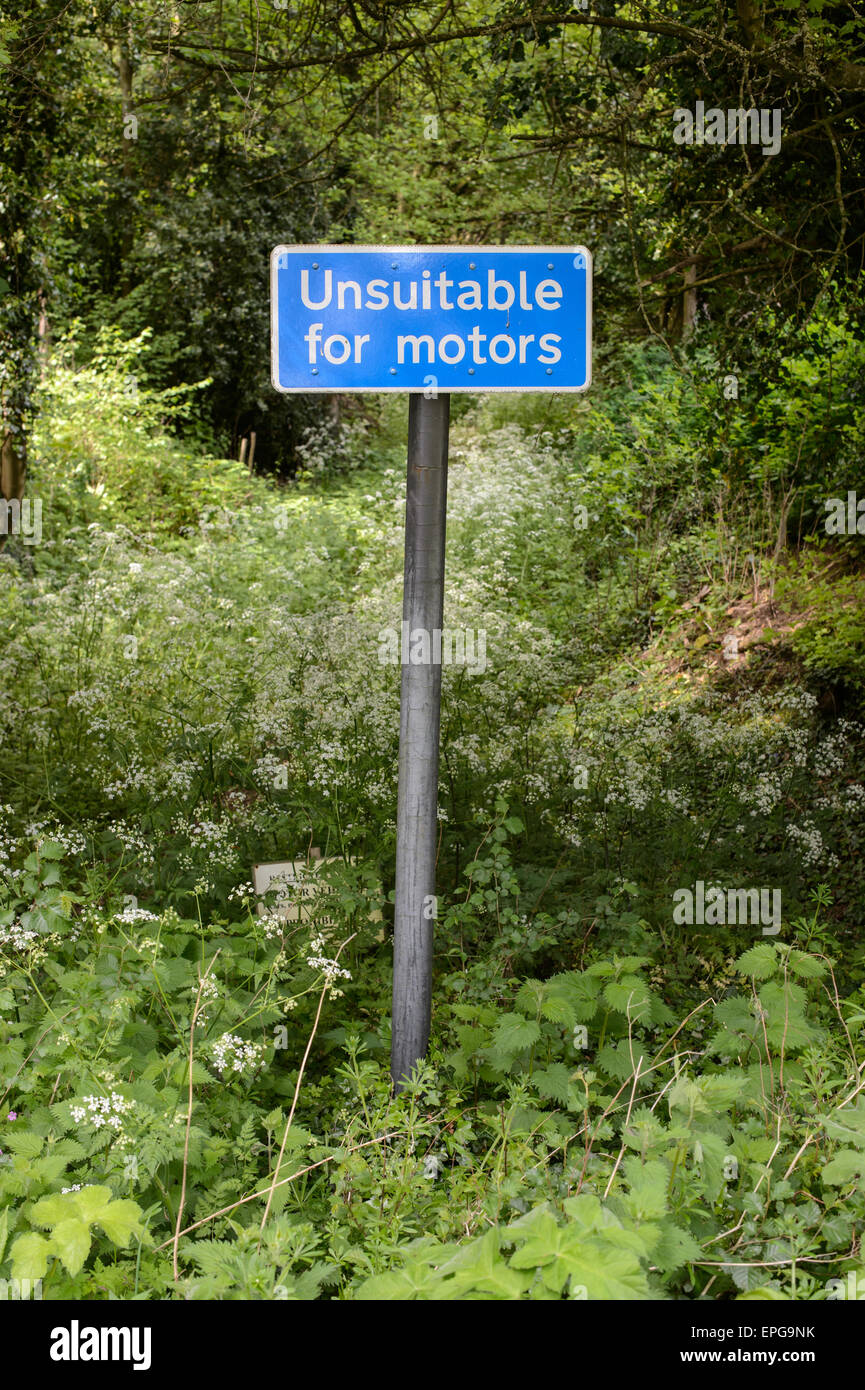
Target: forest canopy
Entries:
(154, 153)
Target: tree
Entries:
(32, 79)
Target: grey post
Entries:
(420, 709)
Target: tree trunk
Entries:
(13, 469)
(689, 302)
(125, 73)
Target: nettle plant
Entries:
(650, 1168)
(148, 1060)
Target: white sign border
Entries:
(347, 248)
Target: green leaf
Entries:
(558, 1009)
(24, 1143)
(91, 1201)
(44, 920)
(68, 1149)
(49, 1211)
(514, 1034)
(545, 1240)
(806, 966)
(847, 1124)
(647, 1199)
(710, 1151)
(71, 1241)
(307, 1285)
(722, 1091)
(675, 1248)
(90, 1206)
(787, 1025)
(568, 1255)
(121, 1220)
(735, 1014)
(631, 963)
(606, 1274)
(413, 1281)
(30, 1254)
(747, 1278)
(529, 996)
(553, 1082)
(758, 963)
(616, 1059)
(564, 1256)
(631, 997)
(200, 1075)
(481, 1269)
(587, 1212)
(644, 1130)
(174, 972)
(846, 1166)
(298, 1138)
(50, 849)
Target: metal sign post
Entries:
(432, 320)
(419, 719)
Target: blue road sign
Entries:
(431, 318)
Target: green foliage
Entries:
(589, 1255)
(804, 428)
(617, 1104)
(104, 453)
(831, 640)
(69, 1219)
